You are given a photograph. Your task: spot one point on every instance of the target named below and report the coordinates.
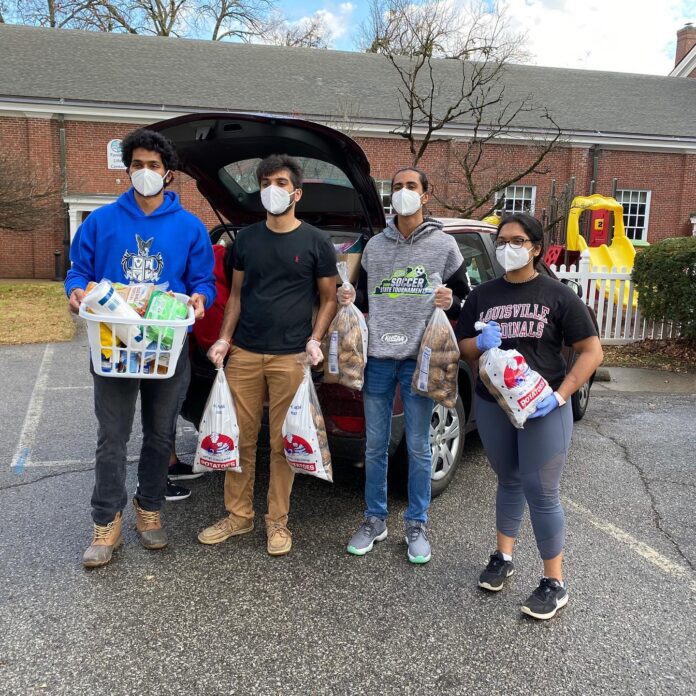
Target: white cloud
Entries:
(337, 23)
(617, 35)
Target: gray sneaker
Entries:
(417, 540)
(371, 530)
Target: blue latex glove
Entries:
(489, 337)
(545, 406)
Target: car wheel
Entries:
(579, 401)
(446, 443)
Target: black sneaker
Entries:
(176, 492)
(494, 576)
(546, 600)
(183, 472)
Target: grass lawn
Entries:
(34, 312)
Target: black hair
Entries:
(149, 140)
(531, 226)
(421, 175)
(274, 163)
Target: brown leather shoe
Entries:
(149, 525)
(279, 539)
(224, 529)
(106, 538)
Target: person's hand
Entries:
(313, 350)
(490, 337)
(218, 351)
(76, 297)
(545, 406)
(197, 301)
(443, 297)
(345, 295)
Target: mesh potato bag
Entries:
(345, 344)
(437, 367)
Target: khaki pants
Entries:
(250, 375)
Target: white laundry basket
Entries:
(140, 359)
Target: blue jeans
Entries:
(381, 377)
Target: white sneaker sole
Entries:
(490, 588)
(361, 552)
(543, 617)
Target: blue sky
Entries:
(620, 35)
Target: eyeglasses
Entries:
(515, 242)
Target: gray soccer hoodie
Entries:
(400, 285)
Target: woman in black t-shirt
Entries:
(536, 315)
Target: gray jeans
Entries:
(528, 464)
(114, 406)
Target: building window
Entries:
(384, 190)
(636, 211)
(518, 199)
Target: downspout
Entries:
(64, 191)
(595, 167)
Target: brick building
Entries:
(66, 96)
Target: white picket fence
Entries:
(610, 293)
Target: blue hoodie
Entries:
(121, 243)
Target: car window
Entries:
(478, 262)
(243, 173)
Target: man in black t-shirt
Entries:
(280, 267)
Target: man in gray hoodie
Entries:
(403, 268)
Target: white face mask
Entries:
(512, 259)
(406, 202)
(146, 182)
(276, 200)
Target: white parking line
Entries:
(638, 547)
(31, 419)
(86, 386)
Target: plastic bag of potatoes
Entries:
(345, 344)
(437, 367)
(304, 433)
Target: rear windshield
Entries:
(243, 173)
(478, 262)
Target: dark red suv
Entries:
(221, 151)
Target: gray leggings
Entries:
(529, 464)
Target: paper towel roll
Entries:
(104, 300)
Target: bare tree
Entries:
(26, 199)
(219, 19)
(450, 61)
(57, 14)
(239, 19)
(310, 32)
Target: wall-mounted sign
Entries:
(113, 155)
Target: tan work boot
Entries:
(279, 539)
(149, 525)
(106, 539)
(224, 529)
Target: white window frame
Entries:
(80, 204)
(384, 189)
(620, 194)
(516, 192)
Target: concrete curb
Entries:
(602, 375)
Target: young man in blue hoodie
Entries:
(144, 237)
(401, 267)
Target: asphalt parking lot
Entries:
(231, 620)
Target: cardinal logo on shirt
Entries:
(216, 443)
(294, 444)
(515, 371)
(142, 267)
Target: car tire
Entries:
(447, 435)
(580, 400)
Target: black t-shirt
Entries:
(280, 285)
(536, 318)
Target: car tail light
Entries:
(349, 424)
